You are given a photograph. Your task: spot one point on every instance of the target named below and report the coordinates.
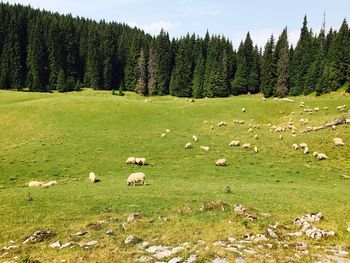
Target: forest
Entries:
(43, 51)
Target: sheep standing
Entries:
(243, 109)
(221, 162)
(222, 123)
(205, 148)
(167, 130)
(303, 145)
(188, 145)
(338, 142)
(256, 149)
(320, 156)
(306, 150)
(92, 177)
(140, 161)
(235, 143)
(163, 135)
(295, 146)
(195, 138)
(130, 160)
(136, 178)
(246, 146)
(256, 137)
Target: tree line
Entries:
(46, 51)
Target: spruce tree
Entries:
(163, 62)
(93, 76)
(141, 86)
(282, 54)
(268, 69)
(152, 74)
(198, 76)
(61, 81)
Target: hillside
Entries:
(63, 137)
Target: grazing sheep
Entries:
(256, 149)
(195, 138)
(246, 146)
(342, 108)
(316, 109)
(136, 178)
(235, 143)
(306, 150)
(188, 145)
(338, 142)
(256, 137)
(35, 184)
(264, 99)
(241, 122)
(222, 123)
(321, 156)
(243, 109)
(221, 162)
(295, 146)
(281, 137)
(92, 177)
(325, 108)
(250, 130)
(293, 112)
(334, 127)
(212, 127)
(163, 135)
(131, 160)
(167, 130)
(347, 120)
(303, 145)
(315, 154)
(140, 161)
(205, 148)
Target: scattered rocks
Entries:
(131, 240)
(272, 233)
(308, 218)
(220, 260)
(301, 245)
(38, 236)
(191, 259)
(156, 249)
(143, 245)
(80, 233)
(316, 233)
(145, 259)
(175, 260)
(133, 217)
(214, 205)
(68, 245)
(238, 208)
(7, 248)
(109, 232)
(56, 244)
(339, 253)
(89, 244)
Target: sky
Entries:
(230, 18)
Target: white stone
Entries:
(56, 244)
(175, 260)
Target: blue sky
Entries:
(231, 18)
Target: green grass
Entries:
(65, 136)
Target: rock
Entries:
(38, 236)
(68, 245)
(90, 244)
(301, 245)
(249, 251)
(214, 205)
(35, 184)
(131, 240)
(272, 233)
(48, 184)
(238, 208)
(338, 259)
(175, 260)
(109, 232)
(295, 234)
(219, 243)
(191, 259)
(143, 245)
(145, 259)
(167, 253)
(239, 260)
(308, 218)
(7, 248)
(56, 244)
(231, 239)
(156, 249)
(340, 253)
(220, 260)
(80, 233)
(317, 233)
(133, 217)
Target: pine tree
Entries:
(282, 54)
(198, 76)
(130, 73)
(141, 86)
(268, 69)
(93, 76)
(38, 67)
(54, 52)
(254, 74)
(151, 68)
(61, 81)
(163, 58)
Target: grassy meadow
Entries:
(63, 137)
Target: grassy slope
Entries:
(65, 136)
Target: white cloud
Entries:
(155, 27)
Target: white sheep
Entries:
(256, 137)
(195, 138)
(321, 156)
(315, 154)
(334, 127)
(250, 130)
(212, 127)
(221, 162)
(281, 136)
(222, 123)
(243, 109)
(235, 143)
(130, 160)
(205, 148)
(303, 145)
(140, 161)
(241, 122)
(188, 145)
(338, 142)
(92, 177)
(347, 121)
(246, 146)
(136, 178)
(325, 108)
(306, 150)
(316, 109)
(35, 184)
(256, 149)
(167, 130)
(295, 146)
(163, 135)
